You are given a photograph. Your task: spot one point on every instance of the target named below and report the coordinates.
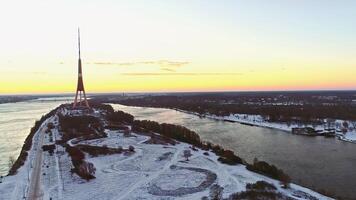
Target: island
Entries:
(100, 153)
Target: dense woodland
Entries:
(269, 170)
(85, 127)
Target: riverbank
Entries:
(15, 98)
(258, 120)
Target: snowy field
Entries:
(151, 172)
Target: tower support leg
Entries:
(80, 98)
(75, 100)
(85, 100)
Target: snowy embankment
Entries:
(153, 171)
(18, 186)
(257, 120)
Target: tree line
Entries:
(306, 113)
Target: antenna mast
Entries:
(80, 86)
(79, 41)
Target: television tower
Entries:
(80, 85)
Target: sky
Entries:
(182, 45)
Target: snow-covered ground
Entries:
(349, 137)
(258, 120)
(152, 172)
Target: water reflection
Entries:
(16, 120)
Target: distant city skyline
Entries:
(177, 46)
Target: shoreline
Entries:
(268, 125)
(262, 125)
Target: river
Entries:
(315, 162)
(16, 120)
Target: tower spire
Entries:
(79, 42)
(80, 85)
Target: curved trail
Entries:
(151, 176)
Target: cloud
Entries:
(182, 74)
(172, 63)
(40, 73)
(157, 62)
(113, 63)
(165, 65)
(168, 69)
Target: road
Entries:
(35, 191)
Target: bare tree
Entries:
(187, 154)
(216, 192)
(87, 169)
(131, 148)
(345, 126)
(11, 161)
(330, 123)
